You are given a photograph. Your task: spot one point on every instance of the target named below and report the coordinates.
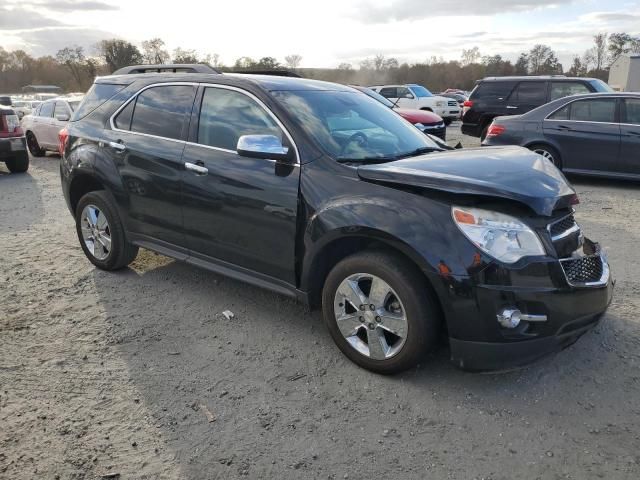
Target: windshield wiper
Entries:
(418, 151)
(365, 160)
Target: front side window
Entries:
(533, 93)
(404, 92)
(162, 111)
(353, 127)
(61, 109)
(389, 92)
(46, 110)
(420, 92)
(226, 115)
(564, 89)
(600, 110)
(632, 111)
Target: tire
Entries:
(33, 145)
(448, 121)
(484, 132)
(120, 252)
(18, 164)
(548, 152)
(407, 295)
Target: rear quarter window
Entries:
(96, 96)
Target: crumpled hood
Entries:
(514, 173)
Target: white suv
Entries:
(419, 98)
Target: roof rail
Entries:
(167, 67)
(274, 72)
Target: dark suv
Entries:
(320, 193)
(496, 96)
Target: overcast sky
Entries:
(325, 32)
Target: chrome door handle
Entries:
(511, 107)
(199, 169)
(117, 146)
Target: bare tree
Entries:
(543, 60)
(345, 66)
(293, 61)
(118, 53)
(154, 52)
(471, 55)
(185, 56)
(74, 60)
(244, 62)
(598, 53)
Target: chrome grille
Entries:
(452, 103)
(584, 270)
(563, 227)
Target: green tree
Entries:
(118, 53)
(153, 51)
(522, 65)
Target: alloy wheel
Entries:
(96, 232)
(546, 154)
(370, 316)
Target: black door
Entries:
(587, 135)
(630, 136)
(242, 210)
(146, 144)
(525, 97)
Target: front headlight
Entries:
(502, 236)
(440, 103)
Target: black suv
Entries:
(318, 192)
(496, 96)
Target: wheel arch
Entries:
(545, 143)
(81, 184)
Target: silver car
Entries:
(42, 126)
(25, 107)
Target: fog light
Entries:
(509, 318)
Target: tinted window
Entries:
(632, 111)
(420, 91)
(96, 96)
(61, 109)
(533, 93)
(403, 92)
(497, 90)
(562, 114)
(46, 109)
(601, 110)
(389, 92)
(600, 86)
(163, 111)
(123, 120)
(226, 115)
(564, 89)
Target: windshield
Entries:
(600, 86)
(354, 127)
(376, 96)
(420, 92)
(74, 105)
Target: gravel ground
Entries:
(137, 374)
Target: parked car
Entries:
(41, 127)
(5, 101)
(25, 107)
(427, 122)
(458, 97)
(13, 150)
(417, 97)
(320, 193)
(496, 96)
(595, 134)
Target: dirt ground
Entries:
(137, 374)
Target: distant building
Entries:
(624, 74)
(41, 89)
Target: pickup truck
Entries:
(419, 98)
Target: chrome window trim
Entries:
(206, 85)
(617, 97)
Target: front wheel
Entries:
(101, 232)
(34, 146)
(380, 311)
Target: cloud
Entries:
(49, 40)
(18, 19)
(64, 6)
(400, 10)
(613, 17)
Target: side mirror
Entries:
(407, 95)
(63, 117)
(263, 146)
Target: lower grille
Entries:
(452, 103)
(584, 270)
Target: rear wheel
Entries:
(33, 145)
(380, 311)
(547, 152)
(101, 232)
(484, 132)
(448, 121)
(18, 164)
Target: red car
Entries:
(426, 121)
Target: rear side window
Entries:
(226, 115)
(389, 92)
(601, 110)
(492, 90)
(533, 93)
(96, 96)
(564, 89)
(562, 114)
(46, 110)
(162, 111)
(632, 111)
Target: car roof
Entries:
(535, 77)
(266, 82)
